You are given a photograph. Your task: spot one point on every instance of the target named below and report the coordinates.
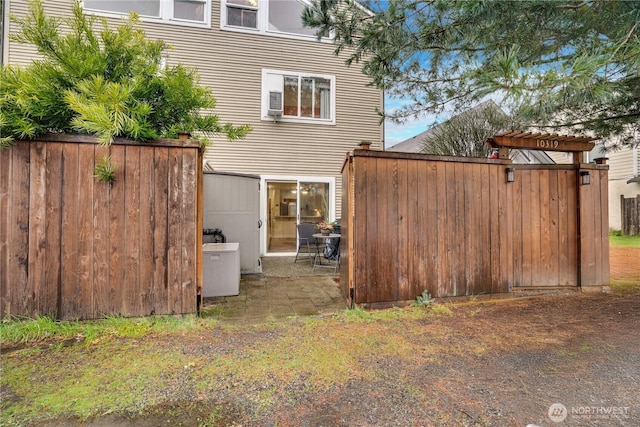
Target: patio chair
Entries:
(307, 244)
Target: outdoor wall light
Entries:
(585, 177)
(511, 174)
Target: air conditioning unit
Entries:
(275, 104)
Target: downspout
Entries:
(4, 4)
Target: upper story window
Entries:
(298, 97)
(242, 13)
(182, 12)
(282, 17)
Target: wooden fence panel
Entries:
(545, 225)
(409, 217)
(630, 209)
(78, 248)
(455, 227)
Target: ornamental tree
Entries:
(570, 65)
(106, 82)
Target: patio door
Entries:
(290, 203)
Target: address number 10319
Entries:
(547, 143)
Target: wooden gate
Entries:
(545, 233)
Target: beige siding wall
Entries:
(231, 64)
(620, 171)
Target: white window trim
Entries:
(262, 20)
(166, 15)
(287, 119)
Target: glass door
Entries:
(282, 215)
(290, 203)
(314, 201)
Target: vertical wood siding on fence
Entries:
(546, 225)
(430, 225)
(455, 227)
(594, 230)
(77, 248)
(630, 211)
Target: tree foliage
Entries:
(466, 134)
(107, 82)
(570, 65)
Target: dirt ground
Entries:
(552, 360)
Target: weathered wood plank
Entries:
(494, 227)
(516, 229)
(544, 258)
(553, 227)
(405, 290)
(101, 193)
(587, 235)
(85, 231)
(147, 183)
(475, 230)
(459, 264)
(572, 229)
(443, 230)
(189, 221)
(71, 306)
(502, 279)
(174, 232)
(160, 224)
(131, 291)
(384, 291)
(346, 241)
(37, 230)
(527, 230)
(429, 235)
(117, 233)
(5, 192)
(536, 234)
(366, 218)
(415, 254)
(53, 232)
(604, 226)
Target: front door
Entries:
(288, 204)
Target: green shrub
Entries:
(108, 83)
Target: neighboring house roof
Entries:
(414, 144)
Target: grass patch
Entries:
(625, 285)
(112, 377)
(616, 239)
(24, 331)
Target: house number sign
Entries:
(547, 143)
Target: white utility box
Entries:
(220, 269)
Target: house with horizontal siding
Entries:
(306, 108)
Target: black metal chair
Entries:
(307, 244)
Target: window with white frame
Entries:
(291, 96)
(282, 17)
(185, 12)
(242, 13)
